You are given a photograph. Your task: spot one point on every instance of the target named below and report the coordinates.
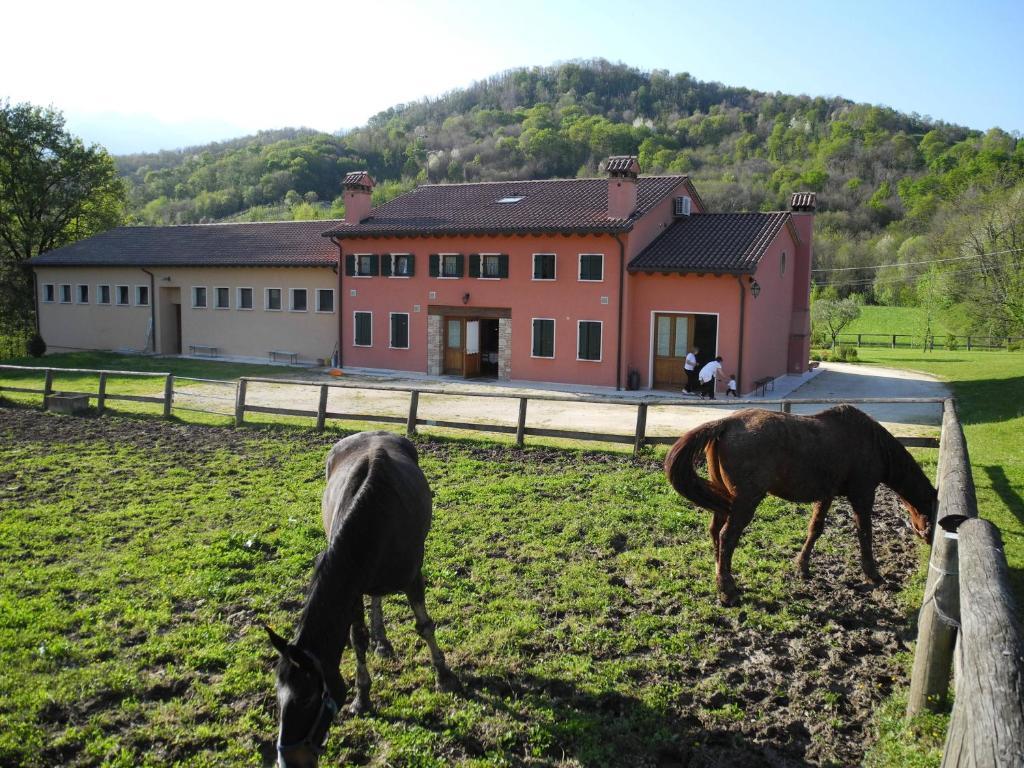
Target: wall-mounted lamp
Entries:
(465, 298)
(166, 279)
(755, 288)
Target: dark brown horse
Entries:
(376, 513)
(838, 452)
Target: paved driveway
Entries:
(668, 414)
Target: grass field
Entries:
(573, 592)
(889, 320)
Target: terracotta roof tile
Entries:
(711, 242)
(555, 205)
(270, 244)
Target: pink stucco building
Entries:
(603, 282)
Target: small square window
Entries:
(83, 294)
(543, 266)
(273, 302)
(325, 300)
(222, 298)
(591, 266)
(298, 300)
(142, 295)
(363, 329)
(104, 294)
(65, 294)
(124, 294)
(590, 340)
(198, 297)
(49, 293)
(399, 330)
(245, 298)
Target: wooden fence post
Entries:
(787, 407)
(240, 403)
(47, 387)
(968, 343)
(168, 394)
(414, 404)
(894, 341)
(321, 409)
(987, 724)
(940, 613)
(521, 424)
(641, 428)
(101, 395)
(858, 339)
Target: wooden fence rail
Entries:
(969, 607)
(929, 341)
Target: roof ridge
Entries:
(543, 181)
(228, 223)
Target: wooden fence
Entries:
(969, 608)
(929, 341)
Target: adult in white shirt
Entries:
(707, 376)
(690, 369)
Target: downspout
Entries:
(35, 299)
(739, 364)
(341, 300)
(152, 308)
(622, 279)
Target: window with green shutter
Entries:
(399, 330)
(589, 340)
(543, 337)
(592, 266)
(363, 329)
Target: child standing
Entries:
(730, 388)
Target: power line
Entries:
(863, 282)
(913, 263)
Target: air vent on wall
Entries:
(682, 206)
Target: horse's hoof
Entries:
(447, 682)
(729, 599)
(875, 580)
(802, 569)
(360, 706)
(383, 649)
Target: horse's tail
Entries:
(681, 467)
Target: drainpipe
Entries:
(622, 279)
(35, 299)
(341, 300)
(739, 364)
(152, 308)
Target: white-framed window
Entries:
(221, 298)
(543, 266)
(65, 294)
(49, 293)
(102, 294)
(591, 267)
(402, 265)
(367, 264)
(451, 265)
(362, 329)
(588, 334)
(490, 266)
(82, 294)
(543, 344)
(142, 295)
(299, 300)
(244, 299)
(272, 299)
(198, 297)
(782, 265)
(325, 300)
(399, 330)
(123, 295)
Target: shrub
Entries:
(952, 342)
(844, 353)
(35, 345)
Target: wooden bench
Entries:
(292, 357)
(205, 349)
(764, 384)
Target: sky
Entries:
(142, 76)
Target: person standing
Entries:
(730, 388)
(690, 369)
(708, 377)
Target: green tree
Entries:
(53, 190)
(832, 315)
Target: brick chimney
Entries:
(622, 172)
(358, 187)
(802, 205)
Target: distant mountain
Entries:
(125, 133)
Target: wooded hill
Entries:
(883, 178)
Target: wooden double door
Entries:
(461, 347)
(674, 336)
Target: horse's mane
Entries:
(898, 463)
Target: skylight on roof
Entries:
(512, 199)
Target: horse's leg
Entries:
(360, 640)
(715, 529)
(743, 507)
(379, 638)
(863, 504)
(814, 529)
(446, 679)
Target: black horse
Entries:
(376, 514)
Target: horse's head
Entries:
(308, 698)
(922, 514)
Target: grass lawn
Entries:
(573, 593)
(889, 320)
